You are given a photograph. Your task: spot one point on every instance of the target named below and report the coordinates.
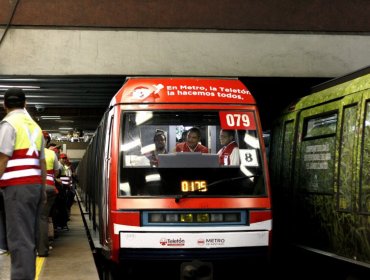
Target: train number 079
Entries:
(237, 120)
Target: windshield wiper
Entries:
(215, 183)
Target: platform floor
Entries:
(70, 258)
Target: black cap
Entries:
(14, 98)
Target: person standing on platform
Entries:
(71, 193)
(63, 180)
(3, 243)
(52, 169)
(22, 179)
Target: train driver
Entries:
(192, 143)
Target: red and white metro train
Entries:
(189, 205)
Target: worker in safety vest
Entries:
(52, 169)
(22, 180)
(64, 181)
(3, 243)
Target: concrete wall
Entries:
(268, 15)
(47, 51)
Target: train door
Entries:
(360, 233)
(106, 189)
(364, 190)
(283, 152)
(283, 139)
(325, 169)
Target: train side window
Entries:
(318, 154)
(346, 159)
(320, 126)
(365, 175)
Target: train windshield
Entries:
(190, 153)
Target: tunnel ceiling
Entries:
(62, 103)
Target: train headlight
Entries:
(170, 218)
(186, 218)
(202, 217)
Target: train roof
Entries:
(153, 90)
(335, 89)
(342, 79)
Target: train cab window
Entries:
(318, 153)
(365, 175)
(194, 173)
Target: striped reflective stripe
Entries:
(23, 161)
(65, 180)
(50, 177)
(32, 138)
(21, 173)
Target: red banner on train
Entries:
(184, 90)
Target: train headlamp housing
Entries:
(167, 218)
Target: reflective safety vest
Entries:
(50, 173)
(65, 177)
(23, 166)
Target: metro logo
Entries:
(215, 241)
(201, 242)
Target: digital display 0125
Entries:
(194, 186)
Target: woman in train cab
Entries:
(192, 143)
(160, 142)
(229, 153)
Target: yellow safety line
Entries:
(39, 265)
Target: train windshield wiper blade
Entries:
(215, 183)
(231, 180)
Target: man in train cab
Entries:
(160, 142)
(22, 179)
(52, 168)
(229, 153)
(192, 143)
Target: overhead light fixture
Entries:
(142, 117)
(65, 128)
(50, 117)
(23, 87)
(65, 121)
